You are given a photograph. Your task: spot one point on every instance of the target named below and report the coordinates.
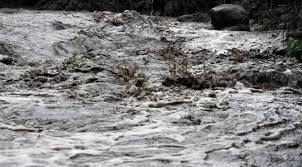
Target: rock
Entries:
(230, 17)
(57, 25)
(6, 49)
(197, 17)
(280, 49)
(6, 60)
(7, 54)
(133, 90)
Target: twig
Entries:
(164, 104)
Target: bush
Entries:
(295, 48)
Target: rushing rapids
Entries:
(124, 89)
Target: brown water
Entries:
(64, 101)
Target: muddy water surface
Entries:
(106, 89)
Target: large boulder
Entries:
(230, 17)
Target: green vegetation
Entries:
(295, 48)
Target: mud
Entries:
(124, 89)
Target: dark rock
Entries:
(57, 25)
(280, 50)
(230, 17)
(197, 17)
(117, 22)
(7, 54)
(6, 60)
(6, 49)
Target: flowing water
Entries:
(87, 90)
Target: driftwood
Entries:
(164, 104)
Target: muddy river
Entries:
(106, 89)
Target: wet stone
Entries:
(6, 60)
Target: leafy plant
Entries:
(295, 48)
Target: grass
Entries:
(294, 47)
